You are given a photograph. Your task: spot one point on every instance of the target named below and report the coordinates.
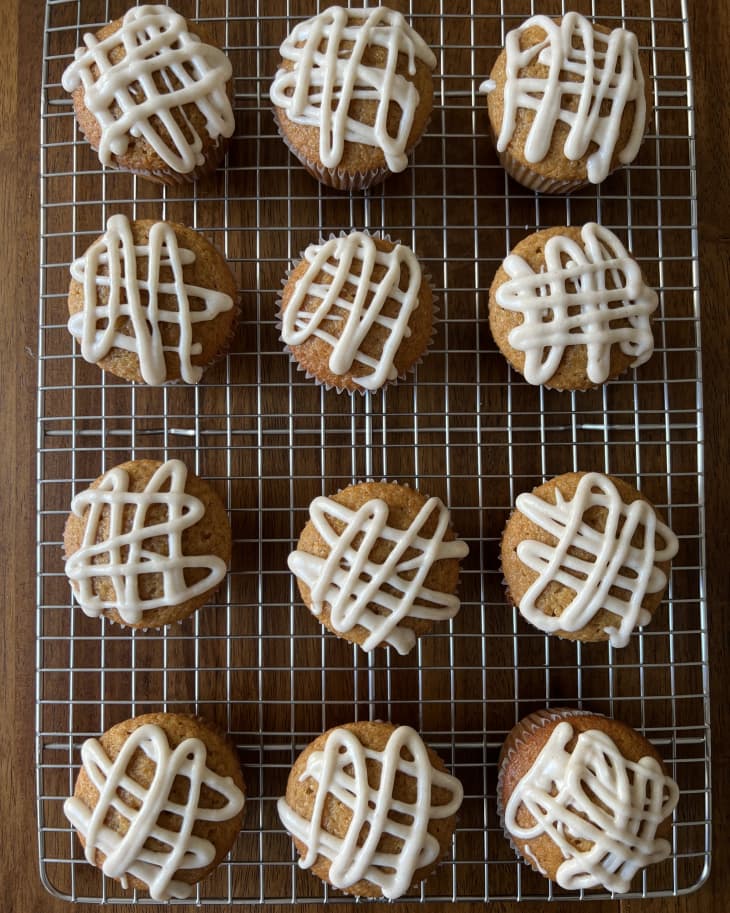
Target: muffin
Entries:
(356, 312)
(378, 563)
(569, 308)
(158, 802)
(147, 544)
(152, 95)
(586, 556)
(370, 808)
(152, 302)
(584, 799)
(374, 71)
(567, 102)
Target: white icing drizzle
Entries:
(570, 305)
(321, 86)
(107, 503)
(533, 859)
(111, 264)
(349, 582)
(616, 562)
(156, 43)
(349, 862)
(562, 791)
(608, 70)
(126, 855)
(349, 292)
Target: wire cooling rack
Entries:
(464, 427)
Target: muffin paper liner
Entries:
(170, 626)
(165, 176)
(566, 390)
(338, 178)
(522, 731)
(176, 179)
(425, 277)
(524, 175)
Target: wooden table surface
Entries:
(21, 28)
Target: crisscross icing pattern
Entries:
(125, 99)
(127, 557)
(571, 303)
(322, 84)
(349, 292)
(605, 69)
(126, 854)
(111, 265)
(373, 807)
(350, 582)
(593, 793)
(613, 560)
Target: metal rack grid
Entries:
(464, 427)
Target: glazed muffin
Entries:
(147, 544)
(370, 808)
(585, 800)
(356, 312)
(568, 102)
(376, 71)
(152, 96)
(378, 563)
(152, 302)
(569, 308)
(586, 556)
(158, 802)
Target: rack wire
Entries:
(464, 427)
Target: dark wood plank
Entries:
(21, 38)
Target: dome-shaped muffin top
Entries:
(353, 94)
(584, 799)
(152, 95)
(567, 101)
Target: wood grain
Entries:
(21, 25)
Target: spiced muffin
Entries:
(353, 94)
(146, 544)
(152, 95)
(152, 302)
(158, 802)
(378, 563)
(587, 557)
(356, 312)
(568, 102)
(370, 808)
(584, 799)
(569, 308)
